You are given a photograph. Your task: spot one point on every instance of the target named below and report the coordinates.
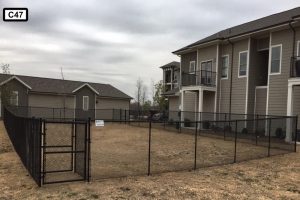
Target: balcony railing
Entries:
(295, 66)
(198, 78)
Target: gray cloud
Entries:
(116, 41)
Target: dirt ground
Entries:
(277, 177)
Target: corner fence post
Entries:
(269, 142)
(235, 141)
(196, 138)
(40, 152)
(149, 149)
(296, 134)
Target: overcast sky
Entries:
(116, 41)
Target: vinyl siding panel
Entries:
(238, 84)
(207, 53)
(261, 100)
(190, 105)
(296, 103)
(108, 108)
(208, 101)
(224, 84)
(278, 84)
(173, 106)
(186, 59)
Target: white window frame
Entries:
(225, 78)
(85, 97)
(17, 98)
(192, 72)
(247, 64)
(270, 60)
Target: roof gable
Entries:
(86, 85)
(15, 78)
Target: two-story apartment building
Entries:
(252, 68)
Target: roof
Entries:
(58, 86)
(171, 64)
(259, 24)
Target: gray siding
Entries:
(185, 60)
(15, 85)
(278, 84)
(173, 107)
(224, 84)
(190, 105)
(208, 101)
(296, 103)
(261, 100)
(107, 108)
(207, 53)
(80, 113)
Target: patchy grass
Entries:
(276, 177)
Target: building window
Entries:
(14, 98)
(225, 66)
(275, 59)
(85, 103)
(243, 64)
(192, 67)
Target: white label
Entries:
(15, 14)
(99, 122)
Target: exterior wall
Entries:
(224, 84)
(15, 85)
(190, 105)
(238, 84)
(173, 107)
(260, 101)
(185, 60)
(80, 113)
(208, 101)
(296, 102)
(278, 84)
(108, 108)
(207, 53)
(51, 106)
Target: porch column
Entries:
(182, 107)
(289, 121)
(200, 104)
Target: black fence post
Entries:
(269, 142)
(256, 129)
(235, 141)
(149, 149)
(296, 133)
(89, 151)
(43, 153)
(196, 138)
(40, 151)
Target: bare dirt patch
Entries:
(276, 177)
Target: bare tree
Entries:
(144, 94)
(138, 93)
(5, 89)
(64, 93)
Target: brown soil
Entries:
(277, 177)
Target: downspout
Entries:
(231, 72)
(293, 54)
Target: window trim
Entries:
(270, 60)
(194, 67)
(15, 92)
(247, 64)
(225, 78)
(87, 97)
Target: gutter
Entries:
(231, 72)
(294, 36)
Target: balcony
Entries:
(295, 67)
(199, 78)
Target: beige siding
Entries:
(173, 107)
(296, 103)
(190, 99)
(208, 101)
(224, 84)
(261, 100)
(43, 105)
(50, 101)
(185, 60)
(207, 53)
(278, 84)
(109, 108)
(238, 84)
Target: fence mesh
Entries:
(25, 135)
